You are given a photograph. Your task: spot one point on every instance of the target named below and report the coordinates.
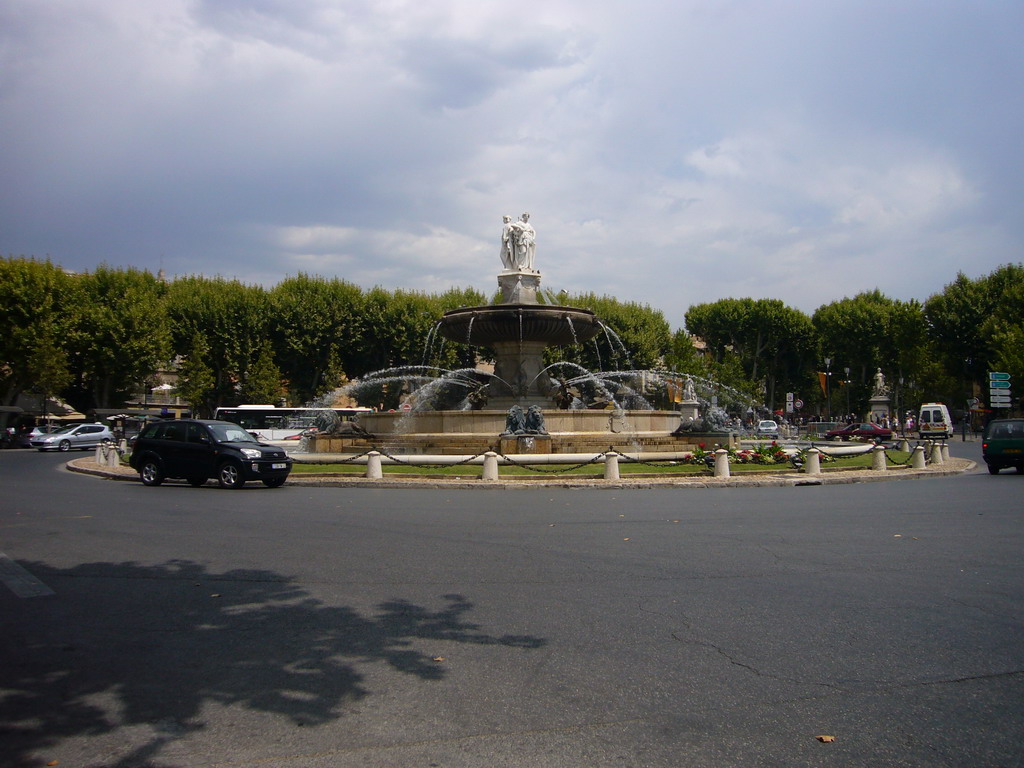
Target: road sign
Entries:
(798, 404)
(998, 376)
(998, 384)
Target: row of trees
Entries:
(96, 337)
(939, 350)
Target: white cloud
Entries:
(670, 154)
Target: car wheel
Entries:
(65, 445)
(230, 475)
(195, 482)
(993, 469)
(274, 482)
(1020, 469)
(150, 473)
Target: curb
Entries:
(845, 477)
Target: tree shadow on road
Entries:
(124, 644)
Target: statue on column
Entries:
(518, 244)
(881, 390)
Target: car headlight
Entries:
(251, 453)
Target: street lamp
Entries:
(828, 386)
(846, 384)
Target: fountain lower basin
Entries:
(473, 432)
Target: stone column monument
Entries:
(879, 401)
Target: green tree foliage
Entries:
(34, 300)
(232, 320)
(262, 380)
(196, 381)
(49, 364)
(119, 335)
(315, 322)
(683, 356)
(975, 325)
(774, 343)
(635, 337)
(872, 331)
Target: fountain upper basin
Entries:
(552, 325)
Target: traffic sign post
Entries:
(999, 394)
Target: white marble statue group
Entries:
(518, 244)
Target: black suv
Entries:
(198, 450)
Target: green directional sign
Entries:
(995, 384)
(998, 376)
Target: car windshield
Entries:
(231, 433)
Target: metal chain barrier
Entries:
(407, 463)
(541, 470)
(705, 468)
(903, 463)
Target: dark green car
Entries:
(1003, 445)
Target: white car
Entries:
(767, 428)
(82, 436)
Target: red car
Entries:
(860, 432)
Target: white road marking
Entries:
(19, 581)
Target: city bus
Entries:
(268, 422)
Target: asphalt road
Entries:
(301, 626)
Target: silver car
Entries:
(82, 436)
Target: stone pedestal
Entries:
(519, 286)
(512, 444)
(879, 408)
(689, 410)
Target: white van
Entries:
(933, 422)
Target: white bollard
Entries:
(611, 466)
(813, 464)
(917, 460)
(490, 473)
(945, 452)
(113, 457)
(373, 467)
(101, 456)
(936, 455)
(878, 458)
(905, 445)
(721, 463)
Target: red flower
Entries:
(701, 445)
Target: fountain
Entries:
(519, 329)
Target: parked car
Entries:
(933, 421)
(1003, 445)
(767, 428)
(82, 436)
(198, 449)
(865, 431)
(24, 439)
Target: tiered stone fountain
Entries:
(519, 329)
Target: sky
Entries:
(669, 152)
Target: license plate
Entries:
(1011, 450)
(279, 466)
